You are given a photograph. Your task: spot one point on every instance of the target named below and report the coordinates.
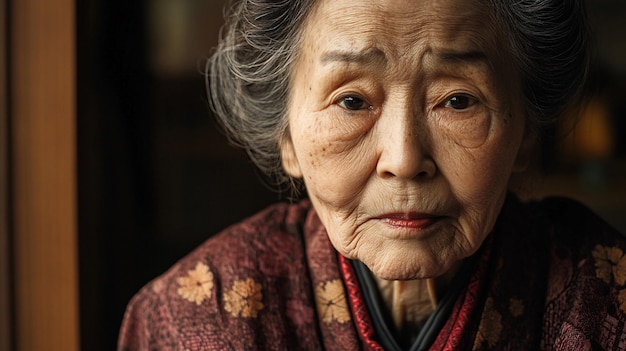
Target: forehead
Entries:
(399, 29)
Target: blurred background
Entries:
(155, 177)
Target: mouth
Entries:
(412, 220)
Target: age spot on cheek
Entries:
(327, 149)
(314, 162)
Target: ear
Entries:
(525, 151)
(288, 157)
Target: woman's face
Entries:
(405, 126)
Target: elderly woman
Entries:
(404, 122)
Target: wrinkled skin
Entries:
(405, 124)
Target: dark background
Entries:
(156, 177)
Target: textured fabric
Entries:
(551, 276)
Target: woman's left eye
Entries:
(353, 103)
(460, 102)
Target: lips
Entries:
(411, 220)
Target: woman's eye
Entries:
(460, 102)
(353, 103)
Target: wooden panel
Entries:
(5, 281)
(44, 181)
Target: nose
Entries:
(404, 147)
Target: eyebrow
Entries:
(371, 56)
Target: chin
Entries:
(398, 269)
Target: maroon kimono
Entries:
(551, 276)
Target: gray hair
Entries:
(249, 75)
(550, 41)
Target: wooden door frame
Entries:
(42, 164)
(6, 327)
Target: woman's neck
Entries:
(409, 303)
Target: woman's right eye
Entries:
(353, 103)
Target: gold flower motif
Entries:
(610, 261)
(490, 326)
(516, 307)
(244, 299)
(331, 302)
(197, 285)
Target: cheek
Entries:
(336, 178)
(479, 177)
(480, 154)
(469, 133)
(334, 167)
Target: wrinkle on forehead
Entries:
(398, 37)
(366, 24)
